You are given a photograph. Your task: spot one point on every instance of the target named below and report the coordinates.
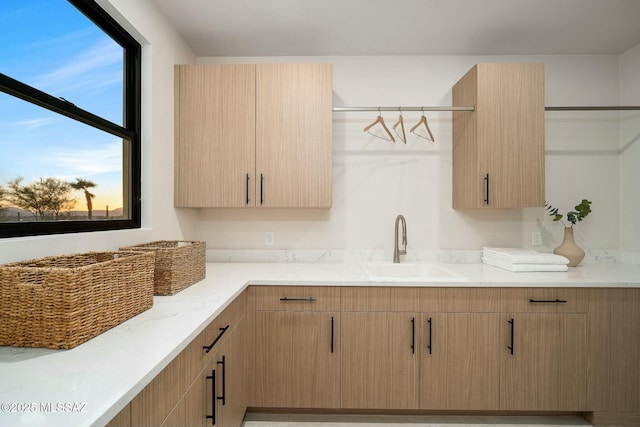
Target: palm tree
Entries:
(84, 185)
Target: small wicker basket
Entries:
(179, 263)
(63, 301)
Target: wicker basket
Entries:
(179, 264)
(63, 301)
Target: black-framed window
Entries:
(70, 108)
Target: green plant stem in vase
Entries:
(568, 248)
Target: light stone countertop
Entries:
(88, 385)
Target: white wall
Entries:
(630, 156)
(375, 180)
(162, 48)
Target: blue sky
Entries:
(50, 45)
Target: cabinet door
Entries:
(294, 135)
(191, 409)
(122, 419)
(232, 367)
(498, 149)
(614, 350)
(156, 401)
(511, 134)
(298, 359)
(214, 135)
(380, 360)
(460, 361)
(218, 396)
(224, 384)
(543, 362)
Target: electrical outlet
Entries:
(268, 238)
(536, 238)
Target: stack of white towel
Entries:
(514, 259)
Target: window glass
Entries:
(43, 146)
(69, 119)
(52, 46)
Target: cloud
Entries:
(36, 123)
(91, 161)
(86, 69)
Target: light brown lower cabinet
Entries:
(446, 349)
(613, 357)
(297, 342)
(460, 361)
(181, 394)
(297, 359)
(190, 410)
(533, 359)
(152, 405)
(379, 360)
(230, 363)
(543, 362)
(122, 419)
(218, 396)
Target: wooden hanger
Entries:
(380, 120)
(400, 122)
(423, 119)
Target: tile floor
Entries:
(279, 420)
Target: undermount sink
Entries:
(410, 272)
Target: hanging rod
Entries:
(586, 108)
(591, 108)
(355, 109)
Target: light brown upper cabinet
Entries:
(253, 135)
(498, 149)
(294, 135)
(214, 135)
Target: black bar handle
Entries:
(224, 381)
(331, 334)
(261, 186)
(413, 335)
(513, 327)
(310, 299)
(207, 348)
(486, 189)
(212, 417)
(430, 346)
(247, 190)
(547, 301)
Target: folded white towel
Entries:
(523, 256)
(523, 267)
